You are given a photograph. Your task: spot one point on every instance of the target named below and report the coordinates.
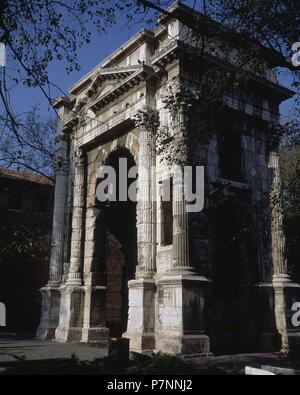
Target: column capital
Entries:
(61, 165)
(79, 157)
(146, 118)
(60, 137)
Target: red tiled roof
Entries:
(29, 177)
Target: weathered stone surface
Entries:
(71, 314)
(50, 313)
(180, 325)
(141, 319)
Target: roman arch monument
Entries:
(214, 281)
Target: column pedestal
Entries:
(181, 315)
(268, 339)
(286, 294)
(71, 314)
(50, 313)
(94, 330)
(141, 317)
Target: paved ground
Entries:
(14, 349)
(235, 364)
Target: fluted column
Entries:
(280, 265)
(180, 224)
(57, 251)
(147, 121)
(181, 259)
(75, 275)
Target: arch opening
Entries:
(117, 232)
(234, 321)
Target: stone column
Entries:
(61, 179)
(182, 293)
(51, 293)
(78, 225)
(147, 121)
(140, 329)
(286, 291)
(71, 307)
(280, 265)
(181, 259)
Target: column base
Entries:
(140, 329)
(286, 294)
(181, 315)
(50, 312)
(94, 330)
(71, 315)
(184, 345)
(140, 342)
(96, 335)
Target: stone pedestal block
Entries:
(71, 314)
(286, 294)
(141, 317)
(50, 313)
(268, 339)
(94, 330)
(181, 315)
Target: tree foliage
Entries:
(33, 148)
(39, 32)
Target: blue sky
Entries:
(23, 99)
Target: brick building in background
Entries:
(26, 210)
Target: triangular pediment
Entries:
(108, 83)
(106, 79)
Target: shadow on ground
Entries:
(32, 357)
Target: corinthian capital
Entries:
(147, 118)
(61, 165)
(79, 157)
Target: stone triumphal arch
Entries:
(177, 282)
